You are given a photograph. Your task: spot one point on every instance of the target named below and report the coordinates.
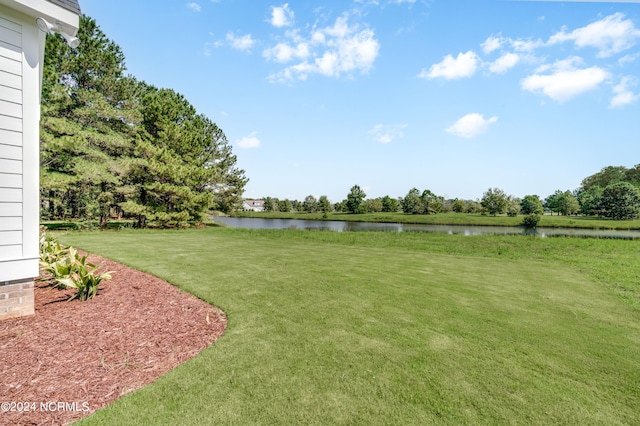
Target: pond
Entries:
(343, 226)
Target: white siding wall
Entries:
(11, 140)
(21, 53)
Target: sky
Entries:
(452, 96)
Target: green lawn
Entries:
(387, 328)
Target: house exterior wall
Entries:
(253, 205)
(11, 144)
(21, 56)
(19, 146)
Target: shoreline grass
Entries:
(385, 328)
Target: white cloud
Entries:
(194, 6)
(464, 65)
(327, 64)
(282, 52)
(526, 45)
(331, 51)
(565, 81)
(387, 133)
(249, 141)
(628, 59)
(282, 16)
(492, 43)
(471, 125)
(609, 35)
(339, 29)
(244, 42)
(504, 63)
(561, 80)
(623, 95)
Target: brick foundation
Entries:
(16, 299)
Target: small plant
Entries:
(531, 220)
(80, 275)
(70, 270)
(50, 250)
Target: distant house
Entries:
(253, 205)
(22, 40)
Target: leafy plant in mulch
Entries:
(68, 269)
(50, 251)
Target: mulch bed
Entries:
(72, 358)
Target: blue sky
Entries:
(452, 96)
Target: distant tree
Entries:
(551, 203)
(605, 177)
(473, 207)
(431, 203)
(270, 204)
(513, 206)
(459, 206)
(284, 205)
(355, 198)
(296, 205)
(531, 204)
(340, 206)
(567, 203)
(323, 204)
(494, 200)
(621, 201)
(389, 204)
(447, 205)
(411, 203)
(310, 204)
(590, 200)
(633, 175)
(372, 205)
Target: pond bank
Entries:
(353, 226)
(467, 219)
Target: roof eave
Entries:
(67, 19)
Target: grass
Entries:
(386, 328)
(548, 221)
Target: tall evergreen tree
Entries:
(88, 121)
(113, 145)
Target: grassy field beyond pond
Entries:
(386, 328)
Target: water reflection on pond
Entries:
(341, 226)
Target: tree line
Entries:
(614, 193)
(116, 147)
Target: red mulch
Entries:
(88, 354)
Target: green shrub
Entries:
(531, 220)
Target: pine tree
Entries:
(112, 145)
